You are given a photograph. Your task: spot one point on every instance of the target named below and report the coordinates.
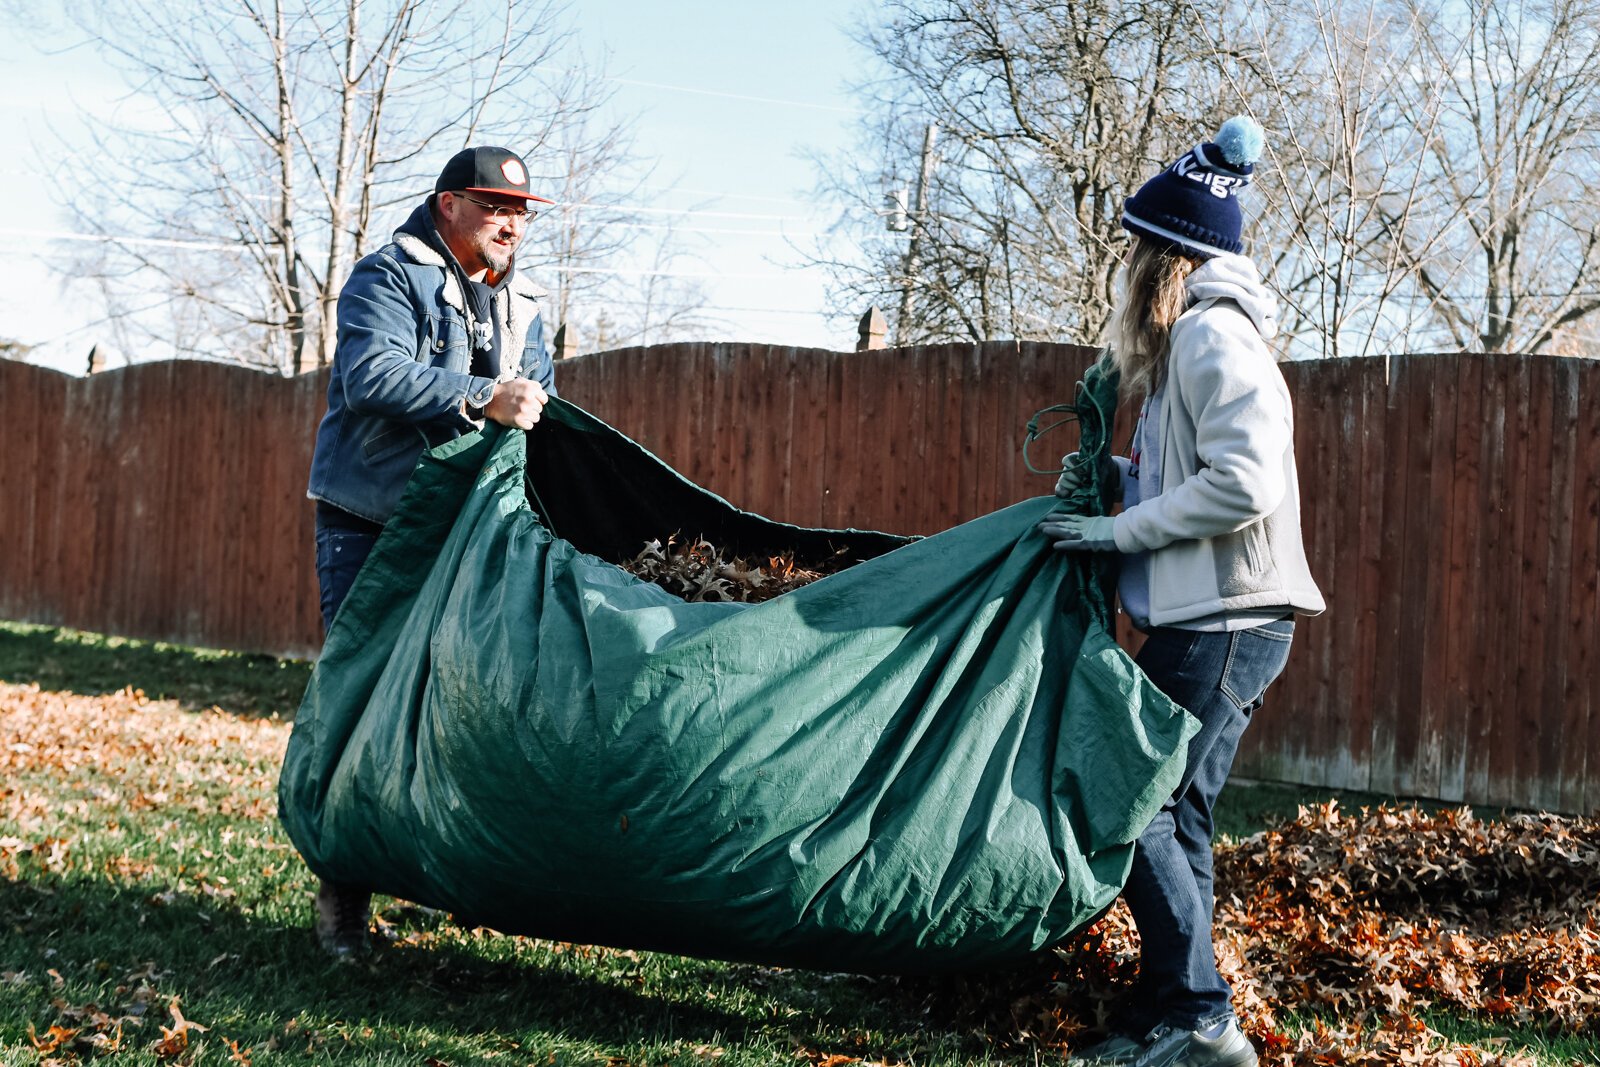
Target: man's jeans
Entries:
(340, 554)
(1220, 679)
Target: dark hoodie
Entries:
(481, 320)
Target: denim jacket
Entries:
(401, 380)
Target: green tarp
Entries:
(937, 758)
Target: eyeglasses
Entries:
(503, 212)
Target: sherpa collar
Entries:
(515, 306)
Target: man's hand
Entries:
(516, 403)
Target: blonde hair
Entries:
(1152, 299)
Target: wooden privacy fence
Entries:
(1451, 508)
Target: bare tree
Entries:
(1510, 253)
(590, 223)
(662, 302)
(1427, 180)
(1433, 160)
(1049, 114)
(278, 133)
(1317, 74)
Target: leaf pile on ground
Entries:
(694, 569)
(1374, 920)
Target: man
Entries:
(437, 333)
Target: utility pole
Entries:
(918, 224)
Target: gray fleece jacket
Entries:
(1224, 532)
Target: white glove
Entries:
(1074, 472)
(1080, 533)
(1072, 475)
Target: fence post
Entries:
(870, 332)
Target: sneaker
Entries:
(1223, 1045)
(342, 919)
(1118, 1050)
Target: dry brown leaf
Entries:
(696, 570)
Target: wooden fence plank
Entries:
(1390, 660)
(875, 432)
(1007, 428)
(1463, 626)
(78, 524)
(947, 413)
(983, 415)
(1575, 560)
(906, 445)
(764, 433)
(22, 492)
(844, 455)
(1552, 707)
(1435, 622)
(1501, 786)
(676, 377)
(1346, 734)
(1305, 739)
(1408, 778)
(1532, 556)
(1368, 585)
(802, 488)
(1580, 770)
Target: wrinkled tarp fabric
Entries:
(938, 758)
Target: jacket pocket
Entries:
(1257, 555)
(447, 340)
(387, 439)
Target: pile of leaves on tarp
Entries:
(1371, 920)
(695, 569)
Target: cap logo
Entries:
(515, 174)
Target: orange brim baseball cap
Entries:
(487, 170)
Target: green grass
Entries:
(141, 860)
(56, 658)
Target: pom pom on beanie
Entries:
(1241, 141)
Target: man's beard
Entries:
(497, 258)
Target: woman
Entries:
(1214, 570)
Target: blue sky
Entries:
(728, 98)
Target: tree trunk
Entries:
(339, 209)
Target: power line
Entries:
(716, 307)
(158, 242)
(626, 210)
(738, 96)
(723, 195)
(733, 232)
(49, 235)
(559, 269)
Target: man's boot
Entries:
(343, 915)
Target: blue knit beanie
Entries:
(1193, 205)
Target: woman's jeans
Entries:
(340, 554)
(1220, 679)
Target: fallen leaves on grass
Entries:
(82, 1030)
(696, 570)
(175, 1038)
(92, 760)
